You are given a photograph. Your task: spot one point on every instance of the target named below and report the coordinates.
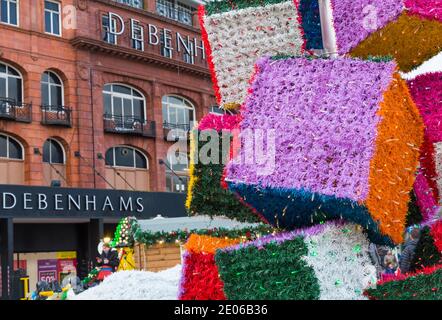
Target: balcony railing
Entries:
(129, 125)
(175, 131)
(15, 111)
(182, 16)
(56, 115)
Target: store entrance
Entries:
(47, 250)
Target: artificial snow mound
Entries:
(136, 285)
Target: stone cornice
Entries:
(128, 53)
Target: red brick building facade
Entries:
(88, 55)
(89, 92)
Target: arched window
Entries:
(53, 152)
(178, 113)
(127, 168)
(126, 157)
(124, 104)
(11, 84)
(10, 148)
(12, 169)
(177, 172)
(52, 94)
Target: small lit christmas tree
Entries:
(122, 236)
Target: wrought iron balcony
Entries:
(56, 115)
(15, 111)
(181, 16)
(129, 125)
(175, 131)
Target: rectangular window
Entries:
(52, 18)
(166, 8)
(107, 35)
(189, 57)
(166, 46)
(184, 13)
(137, 36)
(9, 11)
(132, 3)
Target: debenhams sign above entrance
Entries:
(16, 201)
(154, 36)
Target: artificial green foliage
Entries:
(209, 197)
(426, 253)
(214, 7)
(418, 287)
(91, 276)
(123, 235)
(150, 238)
(414, 215)
(273, 272)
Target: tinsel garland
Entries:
(236, 33)
(426, 90)
(151, 238)
(424, 285)
(436, 234)
(93, 274)
(425, 199)
(410, 39)
(426, 253)
(414, 215)
(205, 196)
(361, 158)
(355, 20)
(328, 261)
(199, 278)
(311, 23)
(431, 9)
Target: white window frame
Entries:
(114, 27)
(50, 152)
(135, 162)
(52, 15)
(137, 26)
(177, 106)
(6, 76)
(54, 85)
(131, 5)
(170, 162)
(125, 96)
(7, 148)
(17, 2)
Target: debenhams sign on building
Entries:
(18, 201)
(154, 36)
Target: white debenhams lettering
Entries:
(58, 201)
(140, 207)
(127, 206)
(26, 200)
(203, 50)
(93, 201)
(117, 27)
(113, 24)
(153, 32)
(42, 203)
(71, 201)
(136, 26)
(167, 40)
(186, 43)
(107, 203)
(4, 200)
